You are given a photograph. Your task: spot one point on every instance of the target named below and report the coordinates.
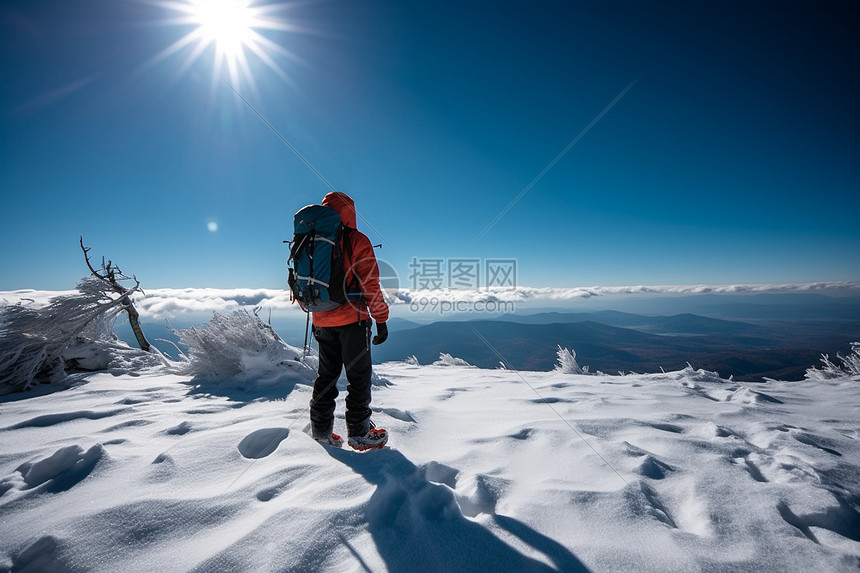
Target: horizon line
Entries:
(160, 302)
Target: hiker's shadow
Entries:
(417, 524)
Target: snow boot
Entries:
(331, 440)
(374, 439)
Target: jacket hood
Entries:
(344, 205)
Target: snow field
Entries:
(487, 470)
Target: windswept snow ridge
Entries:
(681, 471)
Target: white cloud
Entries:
(162, 303)
(165, 303)
(537, 294)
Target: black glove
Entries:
(381, 333)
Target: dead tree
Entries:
(111, 275)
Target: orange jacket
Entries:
(362, 264)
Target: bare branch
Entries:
(112, 275)
(87, 258)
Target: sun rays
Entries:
(230, 31)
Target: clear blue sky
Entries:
(735, 156)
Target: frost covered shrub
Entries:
(76, 330)
(850, 367)
(567, 362)
(446, 359)
(239, 346)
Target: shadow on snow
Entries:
(245, 390)
(413, 520)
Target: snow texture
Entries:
(487, 470)
(206, 465)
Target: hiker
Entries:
(344, 337)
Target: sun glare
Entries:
(227, 23)
(230, 29)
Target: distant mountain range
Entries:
(612, 341)
(747, 307)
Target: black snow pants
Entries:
(342, 346)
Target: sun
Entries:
(230, 29)
(226, 23)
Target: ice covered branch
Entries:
(239, 346)
(111, 275)
(567, 362)
(850, 367)
(38, 344)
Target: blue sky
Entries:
(733, 158)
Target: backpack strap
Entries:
(296, 246)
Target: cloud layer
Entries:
(162, 303)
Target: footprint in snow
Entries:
(263, 442)
(440, 473)
(60, 471)
(474, 494)
(479, 493)
(45, 554)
